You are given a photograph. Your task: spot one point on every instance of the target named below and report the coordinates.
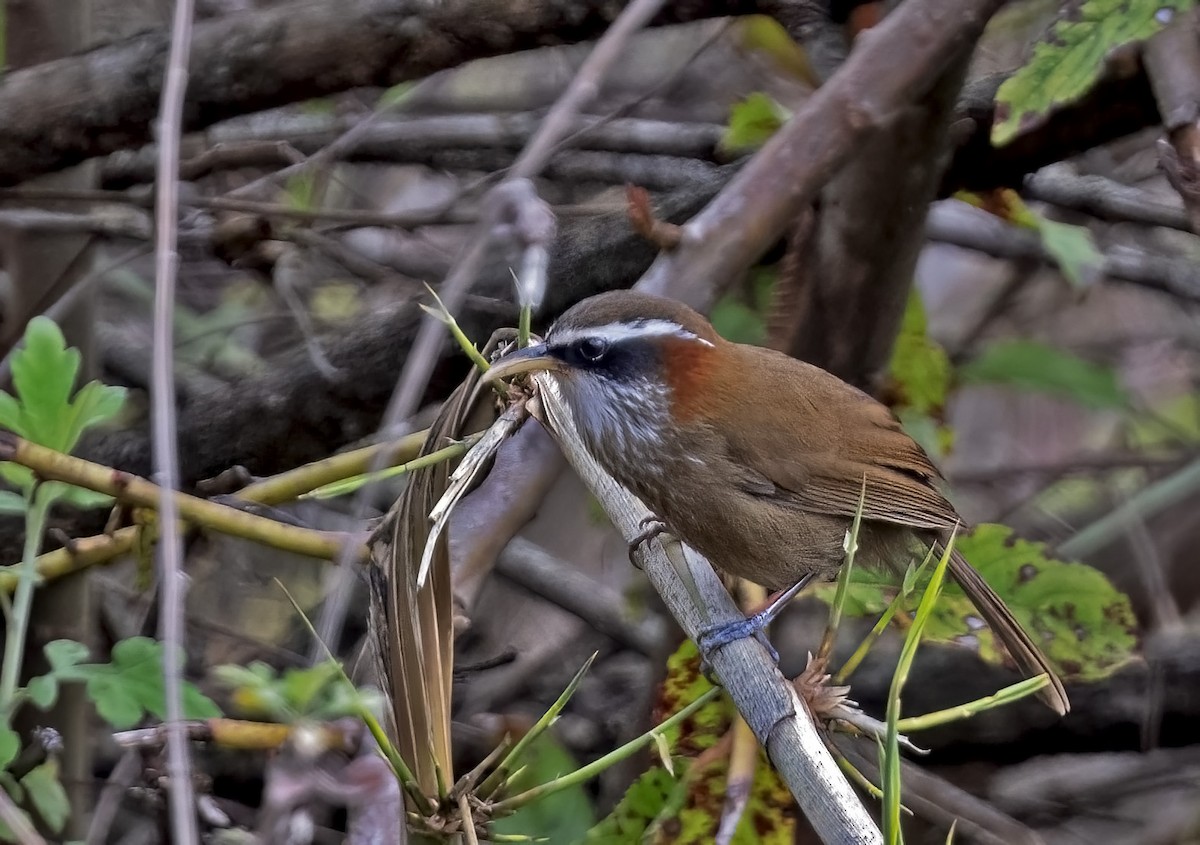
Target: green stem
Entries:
(17, 624)
(349, 485)
(964, 711)
(523, 326)
(586, 773)
(503, 771)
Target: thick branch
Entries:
(892, 65)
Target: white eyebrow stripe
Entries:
(616, 332)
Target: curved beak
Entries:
(530, 359)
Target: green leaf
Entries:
(302, 687)
(1066, 64)
(656, 793)
(12, 503)
(10, 413)
(43, 372)
(64, 654)
(1074, 250)
(47, 795)
(920, 366)
(564, 816)
(131, 686)
(10, 745)
(95, 403)
(16, 475)
(751, 122)
(765, 36)
(1082, 622)
(659, 808)
(1035, 366)
(42, 691)
(79, 497)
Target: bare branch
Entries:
(891, 65)
(182, 799)
(59, 113)
(954, 223)
(274, 140)
(1104, 198)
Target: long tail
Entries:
(1005, 626)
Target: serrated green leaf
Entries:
(10, 413)
(1083, 623)
(131, 686)
(64, 654)
(10, 745)
(115, 702)
(95, 403)
(751, 122)
(1066, 64)
(919, 366)
(12, 503)
(1031, 365)
(47, 795)
(564, 816)
(43, 372)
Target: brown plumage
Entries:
(753, 458)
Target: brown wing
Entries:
(814, 447)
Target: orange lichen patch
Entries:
(688, 365)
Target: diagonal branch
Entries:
(891, 65)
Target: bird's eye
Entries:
(592, 348)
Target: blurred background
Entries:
(1011, 262)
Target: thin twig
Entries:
(184, 828)
(111, 795)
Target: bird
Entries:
(757, 460)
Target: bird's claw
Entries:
(717, 636)
(651, 527)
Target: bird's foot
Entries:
(651, 527)
(713, 638)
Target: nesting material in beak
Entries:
(530, 359)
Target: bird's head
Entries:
(631, 366)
